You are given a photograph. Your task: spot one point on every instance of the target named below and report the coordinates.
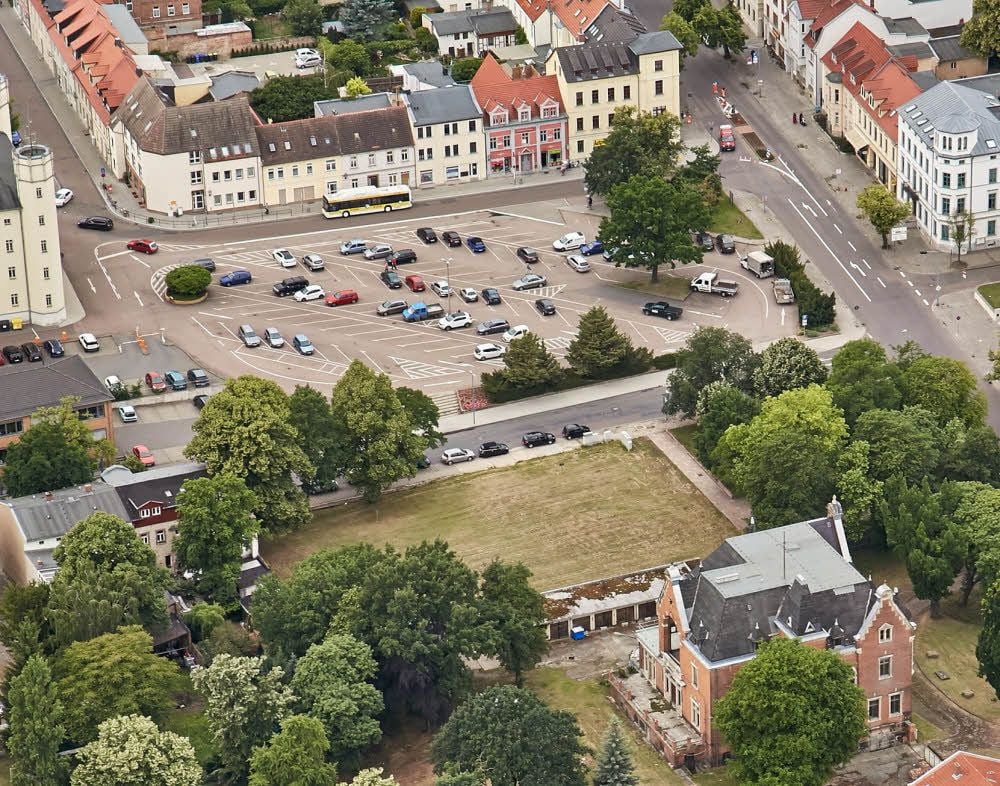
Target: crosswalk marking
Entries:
(414, 369)
(559, 342)
(178, 247)
(671, 336)
(158, 281)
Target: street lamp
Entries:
(447, 267)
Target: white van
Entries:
(569, 241)
(515, 332)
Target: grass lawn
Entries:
(991, 293)
(271, 26)
(588, 701)
(926, 731)
(190, 721)
(669, 286)
(584, 514)
(727, 219)
(4, 772)
(718, 777)
(685, 435)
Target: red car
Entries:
(155, 381)
(145, 246)
(342, 298)
(145, 455)
(415, 283)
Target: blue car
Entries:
(476, 244)
(236, 277)
(593, 247)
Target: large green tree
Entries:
(968, 453)
(131, 751)
(349, 56)
(295, 756)
(614, 760)
(333, 683)
(284, 98)
(900, 442)
(516, 610)
(687, 9)
(639, 143)
(787, 364)
(785, 459)
(113, 674)
(243, 706)
(424, 414)
(245, 431)
(373, 435)
(23, 624)
(988, 643)
(791, 715)
(944, 387)
(863, 378)
(312, 418)
(882, 209)
(215, 523)
(363, 19)
(651, 220)
(529, 368)
(720, 405)
(975, 508)
(35, 731)
(600, 350)
(709, 355)
(720, 27)
(684, 32)
(305, 17)
(981, 33)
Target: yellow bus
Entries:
(366, 199)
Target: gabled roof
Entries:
(891, 87)
(343, 106)
(159, 485)
(962, 769)
(430, 72)
(41, 517)
(954, 107)
(28, 386)
(481, 22)
(826, 15)
(810, 9)
(950, 48)
(231, 83)
(380, 129)
(298, 140)
(614, 24)
(578, 15)
(495, 87)
(442, 105)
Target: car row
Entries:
(274, 339)
(158, 383)
(19, 353)
(530, 439)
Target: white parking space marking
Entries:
(142, 262)
(116, 254)
(671, 336)
(414, 369)
(557, 342)
(213, 316)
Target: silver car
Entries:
(578, 263)
(378, 251)
(455, 455)
(273, 338)
(529, 281)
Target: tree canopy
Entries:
(295, 756)
(639, 143)
(862, 378)
(981, 33)
(284, 98)
(614, 761)
(35, 731)
(312, 418)
(305, 17)
(684, 32)
(517, 612)
(363, 19)
(882, 209)
(600, 350)
(946, 388)
(787, 364)
(720, 405)
(709, 355)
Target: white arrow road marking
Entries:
(809, 208)
(92, 287)
(830, 251)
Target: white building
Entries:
(471, 33)
(448, 135)
(32, 289)
(948, 161)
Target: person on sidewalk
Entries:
(794, 119)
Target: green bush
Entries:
(665, 361)
(188, 282)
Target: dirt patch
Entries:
(888, 767)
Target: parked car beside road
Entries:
(456, 455)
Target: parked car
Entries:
(662, 308)
(391, 279)
(353, 247)
(391, 307)
(89, 342)
(456, 455)
(12, 354)
(529, 281)
(456, 319)
(247, 335)
(468, 294)
(283, 257)
(415, 283)
(344, 297)
(704, 240)
(101, 223)
(491, 449)
(311, 292)
(491, 326)
(235, 278)
(491, 296)
(31, 351)
(200, 401)
(578, 263)
(378, 251)
(305, 51)
(308, 61)
(489, 351)
(313, 487)
(54, 347)
(145, 455)
(427, 234)
(113, 383)
(727, 139)
(155, 382)
(198, 377)
(518, 331)
(442, 288)
(144, 246)
(569, 241)
(451, 239)
(175, 380)
(593, 247)
(206, 262)
(475, 244)
(302, 343)
(535, 438)
(545, 306)
(273, 338)
(527, 255)
(726, 244)
(63, 197)
(405, 256)
(575, 431)
(313, 262)
(127, 414)
(289, 286)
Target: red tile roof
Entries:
(827, 15)
(810, 9)
(576, 15)
(962, 769)
(494, 86)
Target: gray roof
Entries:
(430, 72)
(906, 26)
(954, 107)
(614, 24)
(658, 41)
(40, 518)
(442, 105)
(9, 199)
(483, 23)
(233, 82)
(925, 80)
(603, 59)
(918, 49)
(160, 485)
(28, 386)
(122, 19)
(794, 576)
(949, 48)
(343, 106)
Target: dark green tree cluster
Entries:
(717, 27)
(187, 282)
(819, 308)
(285, 98)
(365, 19)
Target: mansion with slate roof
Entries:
(797, 582)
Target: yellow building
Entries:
(595, 79)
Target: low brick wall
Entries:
(187, 45)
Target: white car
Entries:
(468, 294)
(515, 332)
(455, 455)
(308, 61)
(127, 414)
(311, 292)
(283, 257)
(112, 382)
(442, 288)
(529, 281)
(578, 263)
(569, 241)
(378, 251)
(456, 319)
(63, 197)
(489, 351)
(306, 51)
(89, 342)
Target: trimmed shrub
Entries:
(188, 282)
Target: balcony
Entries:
(663, 726)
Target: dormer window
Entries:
(885, 634)
(524, 113)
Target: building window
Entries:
(627, 92)
(595, 122)
(991, 227)
(991, 200)
(9, 245)
(241, 196)
(217, 200)
(45, 246)
(185, 8)
(992, 176)
(227, 175)
(331, 165)
(196, 177)
(696, 714)
(543, 136)
(239, 174)
(427, 176)
(156, 12)
(579, 145)
(216, 177)
(45, 273)
(48, 301)
(657, 65)
(874, 708)
(694, 676)
(38, 193)
(295, 170)
(472, 147)
(11, 272)
(885, 667)
(945, 180)
(945, 234)
(579, 124)
(960, 205)
(961, 180)
(229, 198)
(611, 119)
(197, 200)
(895, 703)
(595, 96)
(170, 10)
(144, 539)
(353, 162)
(11, 427)
(611, 94)
(579, 98)
(945, 205)
(658, 87)
(90, 413)
(194, 157)
(525, 137)
(331, 187)
(371, 159)
(404, 155)
(161, 534)
(885, 634)
(309, 169)
(41, 221)
(472, 125)
(280, 172)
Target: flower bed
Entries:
(472, 399)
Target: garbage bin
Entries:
(17, 323)
(4, 325)
(577, 633)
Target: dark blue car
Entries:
(593, 247)
(476, 244)
(236, 277)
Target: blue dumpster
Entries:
(577, 633)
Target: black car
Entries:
(102, 223)
(491, 296)
(575, 431)
(54, 347)
(32, 352)
(205, 262)
(13, 354)
(527, 255)
(704, 240)
(452, 239)
(199, 401)
(726, 244)
(391, 279)
(545, 306)
(490, 449)
(662, 308)
(289, 286)
(423, 462)
(535, 438)
(427, 234)
(198, 377)
(405, 256)
(491, 326)
(319, 486)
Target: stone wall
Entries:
(186, 45)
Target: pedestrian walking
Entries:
(794, 120)
(715, 88)
(722, 91)
(590, 201)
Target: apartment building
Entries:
(595, 79)
(473, 32)
(447, 126)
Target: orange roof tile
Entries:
(533, 8)
(962, 769)
(578, 15)
(827, 15)
(494, 86)
(810, 9)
